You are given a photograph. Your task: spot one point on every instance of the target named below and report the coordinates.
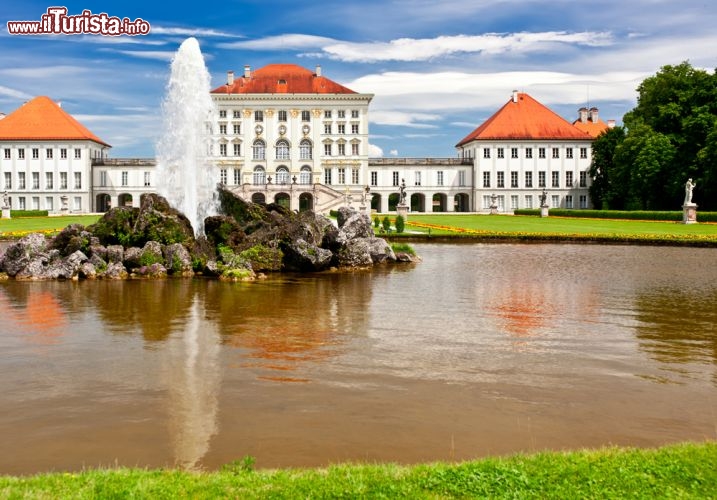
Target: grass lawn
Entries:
(19, 226)
(552, 228)
(680, 471)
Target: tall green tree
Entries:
(602, 169)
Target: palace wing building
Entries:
(289, 135)
(47, 158)
(525, 149)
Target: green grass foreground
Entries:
(559, 229)
(680, 471)
(20, 226)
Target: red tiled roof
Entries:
(524, 118)
(42, 119)
(590, 127)
(282, 79)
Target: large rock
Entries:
(356, 253)
(300, 255)
(115, 271)
(380, 251)
(72, 238)
(356, 226)
(20, 255)
(177, 259)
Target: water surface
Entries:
(481, 349)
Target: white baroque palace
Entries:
(288, 135)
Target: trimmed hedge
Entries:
(28, 213)
(620, 214)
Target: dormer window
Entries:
(282, 82)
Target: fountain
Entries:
(183, 172)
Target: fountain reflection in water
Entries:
(183, 172)
(193, 380)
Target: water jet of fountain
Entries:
(184, 174)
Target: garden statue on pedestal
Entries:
(5, 206)
(493, 204)
(689, 209)
(544, 208)
(402, 208)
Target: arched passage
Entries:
(376, 202)
(393, 200)
(418, 202)
(124, 200)
(439, 202)
(258, 198)
(306, 202)
(461, 203)
(103, 202)
(283, 199)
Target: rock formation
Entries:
(155, 240)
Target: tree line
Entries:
(669, 137)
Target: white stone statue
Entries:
(5, 200)
(402, 192)
(689, 186)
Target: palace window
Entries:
(501, 153)
(327, 176)
(147, 179)
(556, 201)
(583, 153)
(222, 150)
(354, 176)
(541, 179)
(36, 180)
(439, 178)
(529, 179)
(569, 153)
(7, 153)
(305, 116)
(21, 180)
(500, 181)
(63, 179)
(258, 116)
(555, 176)
(282, 175)
(461, 177)
(486, 152)
(342, 175)
(48, 154)
(223, 176)
(49, 180)
(354, 128)
(556, 153)
(327, 113)
(354, 113)
(282, 150)
(78, 154)
(237, 149)
(259, 176)
(583, 201)
(541, 153)
(355, 149)
(8, 180)
(223, 128)
(529, 153)
(568, 179)
(305, 175)
(583, 179)
(342, 113)
(569, 201)
(305, 149)
(63, 153)
(342, 149)
(125, 178)
(394, 178)
(342, 128)
(327, 128)
(513, 152)
(237, 176)
(258, 150)
(528, 201)
(237, 128)
(236, 113)
(514, 202)
(486, 179)
(374, 178)
(35, 153)
(282, 115)
(514, 179)
(327, 149)
(21, 154)
(222, 113)
(417, 180)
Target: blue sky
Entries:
(437, 69)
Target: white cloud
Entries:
(289, 41)
(402, 119)
(393, 152)
(159, 55)
(206, 32)
(374, 151)
(412, 49)
(16, 94)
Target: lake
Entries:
(481, 349)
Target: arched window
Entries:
(305, 175)
(305, 150)
(282, 150)
(282, 175)
(259, 176)
(259, 150)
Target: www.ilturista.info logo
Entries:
(57, 22)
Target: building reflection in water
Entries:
(35, 312)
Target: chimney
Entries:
(515, 96)
(318, 70)
(230, 78)
(611, 124)
(594, 115)
(247, 71)
(583, 115)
